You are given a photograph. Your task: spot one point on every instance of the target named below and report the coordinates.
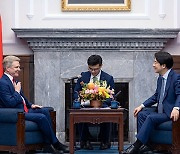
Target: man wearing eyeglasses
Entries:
(94, 72)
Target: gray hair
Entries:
(8, 60)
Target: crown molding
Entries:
(53, 40)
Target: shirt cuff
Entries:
(177, 108)
(142, 105)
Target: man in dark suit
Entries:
(167, 96)
(11, 96)
(94, 66)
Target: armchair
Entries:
(18, 135)
(166, 136)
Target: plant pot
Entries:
(95, 103)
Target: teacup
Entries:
(114, 104)
(76, 104)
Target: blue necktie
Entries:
(160, 105)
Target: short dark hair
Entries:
(164, 58)
(94, 60)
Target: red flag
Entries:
(1, 50)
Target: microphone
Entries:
(75, 77)
(115, 97)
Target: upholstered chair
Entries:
(18, 135)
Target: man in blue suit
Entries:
(167, 95)
(11, 96)
(94, 66)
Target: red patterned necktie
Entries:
(25, 107)
(24, 103)
(13, 80)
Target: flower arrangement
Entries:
(96, 91)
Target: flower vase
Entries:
(95, 103)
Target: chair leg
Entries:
(176, 151)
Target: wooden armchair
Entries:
(166, 136)
(18, 135)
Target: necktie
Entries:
(25, 107)
(160, 105)
(24, 103)
(13, 80)
(95, 79)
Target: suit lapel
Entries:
(9, 82)
(86, 77)
(168, 82)
(102, 76)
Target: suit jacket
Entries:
(85, 77)
(171, 95)
(9, 98)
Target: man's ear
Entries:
(164, 65)
(7, 69)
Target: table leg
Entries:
(71, 134)
(121, 134)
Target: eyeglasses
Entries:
(93, 69)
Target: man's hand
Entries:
(33, 106)
(136, 110)
(17, 86)
(174, 114)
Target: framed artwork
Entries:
(96, 5)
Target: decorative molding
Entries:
(30, 14)
(96, 39)
(162, 13)
(90, 16)
(96, 45)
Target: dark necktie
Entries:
(160, 105)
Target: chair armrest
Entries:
(9, 114)
(176, 132)
(53, 118)
(49, 108)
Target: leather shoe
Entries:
(131, 150)
(144, 148)
(61, 147)
(51, 149)
(86, 145)
(104, 146)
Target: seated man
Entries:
(11, 96)
(94, 65)
(167, 95)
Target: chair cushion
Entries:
(165, 126)
(34, 137)
(9, 114)
(8, 133)
(161, 137)
(162, 133)
(31, 126)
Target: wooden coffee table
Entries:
(95, 116)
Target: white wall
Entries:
(48, 14)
